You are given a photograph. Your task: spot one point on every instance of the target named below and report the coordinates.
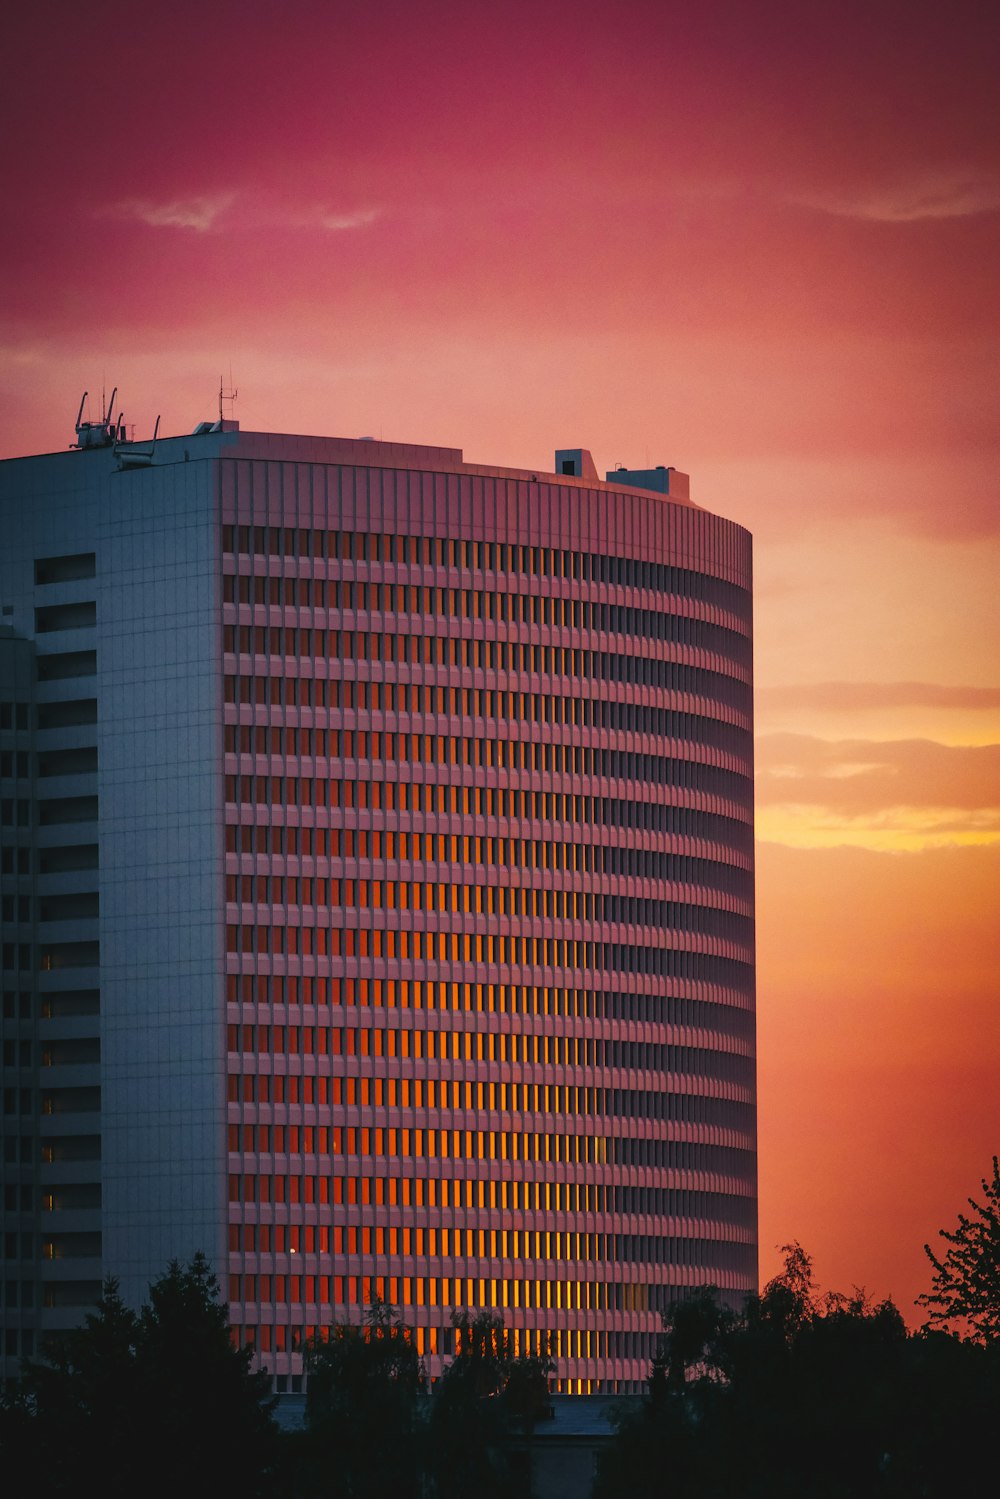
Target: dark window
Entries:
(65, 569)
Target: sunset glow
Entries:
(756, 242)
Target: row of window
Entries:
(312, 1238)
(505, 1097)
(18, 1054)
(575, 1105)
(441, 750)
(585, 812)
(377, 844)
(15, 861)
(19, 1005)
(18, 1342)
(364, 894)
(565, 1246)
(531, 1048)
(19, 1148)
(656, 1101)
(15, 908)
(265, 996)
(564, 1294)
(18, 1293)
(523, 802)
(326, 1290)
(566, 953)
(598, 713)
(14, 765)
(543, 1196)
(17, 1246)
(15, 812)
(15, 717)
(434, 607)
(338, 902)
(509, 558)
(324, 896)
(510, 710)
(577, 667)
(539, 1097)
(610, 860)
(731, 1209)
(18, 1198)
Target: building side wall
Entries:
(126, 849)
(161, 851)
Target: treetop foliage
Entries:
(804, 1396)
(966, 1287)
(486, 1394)
(158, 1402)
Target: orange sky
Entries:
(759, 242)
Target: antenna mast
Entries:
(227, 395)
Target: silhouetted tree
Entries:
(526, 1402)
(802, 1396)
(210, 1412)
(692, 1330)
(364, 1413)
(967, 1277)
(78, 1409)
(158, 1404)
(486, 1394)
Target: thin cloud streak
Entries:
(954, 194)
(233, 212)
(855, 777)
(359, 220)
(199, 213)
(851, 697)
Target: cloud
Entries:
(338, 221)
(859, 777)
(942, 194)
(198, 213)
(240, 212)
(855, 696)
(896, 795)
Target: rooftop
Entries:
(224, 439)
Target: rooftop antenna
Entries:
(227, 395)
(131, 456)
(97, 434)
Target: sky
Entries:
(758, 242)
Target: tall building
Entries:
(377, 890)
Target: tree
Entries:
(487, 1394)
(526, 1402)
(208, 1411)
(79, 1406)
(364, 1409)
(793, 1398)
(967, 1278)
(692, 1329)
(159, 1403)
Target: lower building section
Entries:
(489, 950)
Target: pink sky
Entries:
(758, 242)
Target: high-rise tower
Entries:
(377, 861)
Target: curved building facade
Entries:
(489, 901)
(377, 891)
